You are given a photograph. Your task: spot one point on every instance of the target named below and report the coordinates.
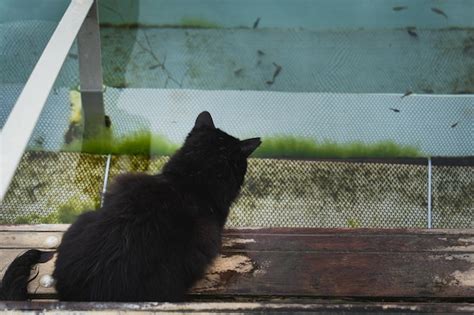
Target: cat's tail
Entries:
(16, 278)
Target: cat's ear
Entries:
(249, 145)
(204, 120)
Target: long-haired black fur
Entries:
(17, 276)
(155, 235)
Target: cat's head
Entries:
(213, 158)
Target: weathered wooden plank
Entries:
(331, 274)
(273, 231)
(35, 227)
(347, 242)
(344, 275)
(311, 262)
(281, 307)
(30, 239)
(288, 239)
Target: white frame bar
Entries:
(24, 115)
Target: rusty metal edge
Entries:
(214, 307)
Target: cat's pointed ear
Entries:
(249, 145)
(204, 120)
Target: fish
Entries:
(412, 32)
(400, 8)
(73, 56)
(407, 93)
(108, 121)
(439, 11)
(394, 109)
(275, 74)
(260, 53)
(39, 141)
(255, 24)
(238, 71)
(153, 67)
(455, 124)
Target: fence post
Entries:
(429, 194)
(90, 73)
(106, 179)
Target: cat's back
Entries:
(139, 193)
(144, 237)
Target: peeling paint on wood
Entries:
(465, 278)
(229, 242)
(222, 271)
(359, 263)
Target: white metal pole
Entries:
(429, 194)
(106, 179)
(24, 115)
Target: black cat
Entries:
(156, 234)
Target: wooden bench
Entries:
(303, 270)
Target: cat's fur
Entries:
(156, 234)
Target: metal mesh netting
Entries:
(424, 122)
(342, 84)
(329, 61)
(18, 58)
(51, 187)
(453, 196)
(56, 187)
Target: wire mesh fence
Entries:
(264, 80)
(453, 193)
(56, 187)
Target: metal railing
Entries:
(80, 19)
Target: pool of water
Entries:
(328, 70)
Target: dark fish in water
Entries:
(238, 71)
(275, 74)
(153, 67)
(108, 121)
(455, 124)
(394, 110)
(400, 8)
(260, 53)
(39, 141)
(407, 93)
(439, 11)
(73, 56)
(255, 24)
(412, 32)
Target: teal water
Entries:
(343, 65)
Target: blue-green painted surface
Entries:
(327, 46)
(308, 14)
(23, 10)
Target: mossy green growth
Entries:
(147, 144)
(294, 147)
(36, 218)
(138, 143)
(70, 210)
(194, 22)
(353, 223)
(66, 213)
